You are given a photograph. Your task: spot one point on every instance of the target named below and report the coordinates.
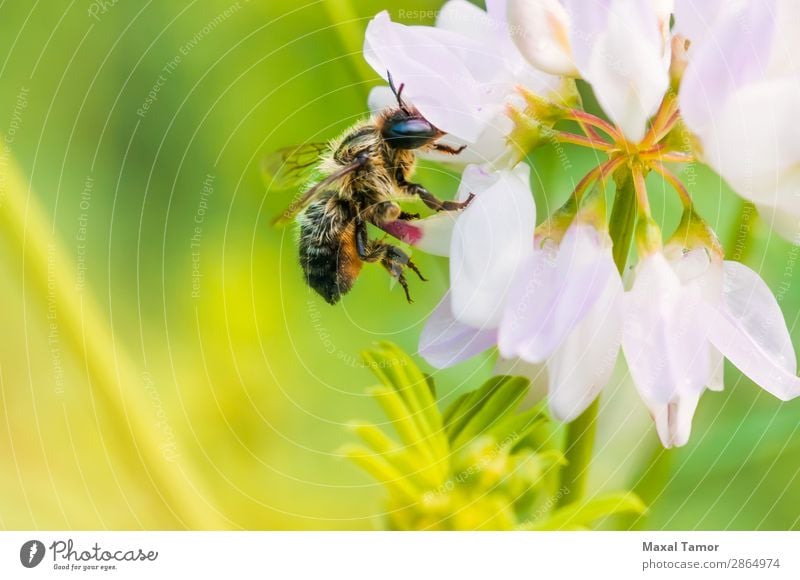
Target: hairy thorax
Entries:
(379, 179)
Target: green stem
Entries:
(578, 453)
(623, 218)
(581, 432)
(112, 377)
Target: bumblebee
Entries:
(364, 171)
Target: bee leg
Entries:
(405, 216)
(391, 257)
(414, 269)
(434, 202)
(396, 270)
(447, 149)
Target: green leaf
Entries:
(466, 406)
(383, 471)
(403, 421)
(481, 414)
(418, 415)
(518, 426)
(404, 459)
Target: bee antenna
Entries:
(398, 92)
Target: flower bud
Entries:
(680, 58)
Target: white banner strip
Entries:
(400, 555)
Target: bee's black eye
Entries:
(409, 133)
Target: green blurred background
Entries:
(163, 365)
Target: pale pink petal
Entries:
(674, 419)
(541, 33)
(445, 73)
(445, 341)
(783, 219)
(664, 9)
(536, 322)
(490, 239)
(783, 59)
(491, 144)
(588, 21)
(520, 69)
(716, 381)
(751, 144)
(736, 53)
(749, 329)
(582, 365)
(380, 98)
(619, 50)
(533, 288)
(464, 18)
(695, 19)
(691, 265)
(665, 344)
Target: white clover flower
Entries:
(620, 47)
(552, 301)
(460, 74)
(740, 90)
(685, 311)
(565, 310)
(490, 239)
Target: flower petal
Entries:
(665, 343)
(536, 323)
(490, 239)
(582, 366)
(694, 19)
(528, 302)
(716, 382)
(619, 50)
(490, 145)
(445, 341)
(674, 419)
(735, 53)
(749, 329)
(783, 219)
(464, 18)
(445, 74)
(541, 33)
(520, 69)
(754, 148)
(786, 47)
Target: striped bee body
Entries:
(364, 170)
(328, 251)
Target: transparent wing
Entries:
(292, 167)
(302, 202)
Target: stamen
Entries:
(673, 180)
(575, 139)
(659, 153)
(584, 118)
(601, 173)
(663, 120)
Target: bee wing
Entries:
(291, 167)
(301, 202)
